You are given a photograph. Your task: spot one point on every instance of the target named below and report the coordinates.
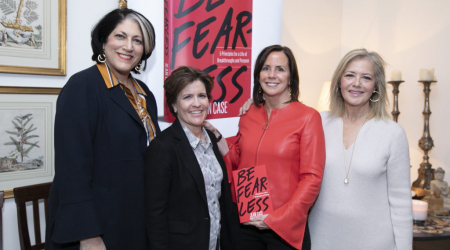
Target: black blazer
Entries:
(100, 145)
(177, 214)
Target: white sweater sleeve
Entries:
(398, 180)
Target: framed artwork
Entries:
(26, 136)
(33, 37)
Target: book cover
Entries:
(216, 37)
(252, 192)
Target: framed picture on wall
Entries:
(26, 136)
(33, 37)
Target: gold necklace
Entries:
(347, 171)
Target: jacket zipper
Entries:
(264, 127)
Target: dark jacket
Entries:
(98, 187)
(177, 214)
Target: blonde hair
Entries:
(378, 109)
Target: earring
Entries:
(138, 67)
(378, 96)
(175, 111)
(101, 57)
(260, 90)
(338, 91)
(290, 94)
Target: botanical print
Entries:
(21, 25)
(22, 140)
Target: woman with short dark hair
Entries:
(188, 198)
(104, 121)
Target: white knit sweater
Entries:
(372, 211)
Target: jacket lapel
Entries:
(121, 99)
(226, 192)
(189, 158)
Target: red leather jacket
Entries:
(293, 149)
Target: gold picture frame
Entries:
(24, 54)
(16, 99)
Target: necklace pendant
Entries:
(346, 180)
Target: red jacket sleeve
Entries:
(289, 220)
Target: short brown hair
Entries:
(294, 79)
(377, 109)
(180, 78)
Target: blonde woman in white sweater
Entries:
(365, 200)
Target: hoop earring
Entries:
(101, 57)
(290, 94)
(138, 67)
(378, 96)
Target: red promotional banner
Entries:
(252, 192)
(216, 37)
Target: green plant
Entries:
(23, 136)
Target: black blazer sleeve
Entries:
(77, 112)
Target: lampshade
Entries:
(324, 98)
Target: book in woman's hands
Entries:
(252, 192)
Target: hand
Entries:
(222, 144)
(245, 107)
(258, 222)
(94, 243)
(211, 128)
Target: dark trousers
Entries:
(249, 237)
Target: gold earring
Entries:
(376, 99)
(260, 89)
(138, 67)
(101, 57)
(338, 91)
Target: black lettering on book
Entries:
(240, 25)
(221, 84)
(177, 47)
(236, 84)
(210, 6)
(224, 30)
(257, 204)
(263, 180)
(181, 13)
(250, 206)
(241, 213)
(253, 205)
(199, 36)
(264, 202)
(241, 177)
(247, 186)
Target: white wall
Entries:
(312, 29)
(409, 35)
(82, 16)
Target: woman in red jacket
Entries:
(287, 137)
